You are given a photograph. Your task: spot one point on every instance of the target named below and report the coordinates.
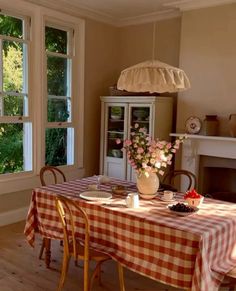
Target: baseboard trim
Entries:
(13, 216)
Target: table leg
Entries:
(47, 251)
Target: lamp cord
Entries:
(153, 40)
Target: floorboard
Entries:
(21, 270)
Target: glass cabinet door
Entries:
(115, 130)
(141, 115)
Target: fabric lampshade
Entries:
(153, 76)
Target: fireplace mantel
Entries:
(196, 145)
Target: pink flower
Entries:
(148, 155)
(161, 172)
(127, 142)
(140, 150)
(118, 140)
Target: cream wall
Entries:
(101, 71)
(208, 56)
(136, 42)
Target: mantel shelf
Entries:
(207, 137)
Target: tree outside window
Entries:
(59, 136)
(14, 119)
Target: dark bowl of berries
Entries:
(182, 209)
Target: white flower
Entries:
(147, 155)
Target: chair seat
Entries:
(232, 273)
(230, 280)
(79, 248)
(94, 254)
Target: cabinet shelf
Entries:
(140, 121)
(116, 120)
(115, 131)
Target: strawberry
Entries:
(192, 194)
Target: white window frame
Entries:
(27, 180)
(76, 159)
(69, 56)
(26, 118)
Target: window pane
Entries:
(59, 146)
(13, 66)
(58, 109)
(11, 26)
(13, 105)
(11, 148)
(57, 74)
(55, 40)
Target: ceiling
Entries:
(126, 12)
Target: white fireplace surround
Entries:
(196, 145)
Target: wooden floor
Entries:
(21, 270)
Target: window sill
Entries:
(23, 181)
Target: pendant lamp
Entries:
(153, 76)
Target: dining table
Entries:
(191, 252)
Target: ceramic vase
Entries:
(210, 125)
(147, 185)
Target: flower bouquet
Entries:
(148, 156)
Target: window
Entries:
(41, 94)
(59, 132)
(15, 117)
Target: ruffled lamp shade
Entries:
(154, 77)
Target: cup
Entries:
(132, 200)
(103, 180)
(168, 195)
(93, 187)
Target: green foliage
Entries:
(11, 26)
(57, 110)
(11, 135)
(11, 148)
(57, 76)
(56, 146)
(55, 40)
(11, 139)
(13, 68)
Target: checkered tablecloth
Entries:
(191, 252)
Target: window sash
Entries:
(25, 119)
(69, 77)
(69, 125)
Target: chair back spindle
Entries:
(172, 176)
(57, 174)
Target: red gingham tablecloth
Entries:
(190, 252)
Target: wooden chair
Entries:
(79, 249)
(57, 176)
(172, 175)
(230, 280)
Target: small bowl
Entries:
(196, 202)
(140, 114)
(116, 153)
(118, 189)
(115, 117)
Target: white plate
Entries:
(193, 125)
(165, 200)
(182, 213)
(96, 195)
